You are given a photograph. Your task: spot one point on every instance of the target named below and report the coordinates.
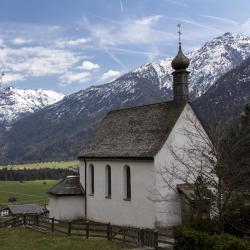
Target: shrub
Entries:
(188, 239)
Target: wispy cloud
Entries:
(221, 19)
(130, 31)
(245, 26)
(63, 43)
(121, 5)
(178, 3)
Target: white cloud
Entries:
(110, 75)
(11, 78)
(71, 77)
(71, 42)
(88, 65)
(20, 41)
(37, 61)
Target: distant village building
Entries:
(122, 166)
(4, 211)
(22, 209)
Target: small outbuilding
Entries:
(66, 199)
(26, 209)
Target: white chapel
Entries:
(122, 167)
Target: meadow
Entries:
(26, 192)
(21, 238)
(37, 165)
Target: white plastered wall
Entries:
(167, 200)
(66, 208)
(140, 211)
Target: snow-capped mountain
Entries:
(227, 97)
(60, 130)
(208, 63)
(16, 103)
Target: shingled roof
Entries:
(137, 132)
(26, 209)
(68, 186)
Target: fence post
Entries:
(141, 237)
(37, 220)
(14, 222)
(52, 224)
(108, 231)
(156, 239)
(24, 219)
(87, 229)
(69, 229)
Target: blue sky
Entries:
(68, 45)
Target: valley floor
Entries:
(22, 239)
(26, 192)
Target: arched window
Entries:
(127, 183)
(108, 181)
(91, 179)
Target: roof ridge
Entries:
(140, 106)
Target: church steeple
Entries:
(180, 75)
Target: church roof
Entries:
(68, 186)
(137, 132)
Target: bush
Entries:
(188, 239)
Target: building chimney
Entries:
(180, 75)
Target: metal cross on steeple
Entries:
(179, 32)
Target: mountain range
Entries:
(58, 131)
(17, 103)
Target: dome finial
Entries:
(179, 32)
(180, 62)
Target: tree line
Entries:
(33, 174)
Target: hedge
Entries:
(188, 239)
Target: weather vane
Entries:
(179, 32)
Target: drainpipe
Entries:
(85, 182)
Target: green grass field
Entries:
(62, 164)
(23, 239)
(26, 192)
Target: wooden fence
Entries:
(89, 229)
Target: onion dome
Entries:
(180, 61)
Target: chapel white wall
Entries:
(167, 200)
(66, 208)
(140, 211)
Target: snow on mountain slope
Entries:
(208, 63)
(15, 103)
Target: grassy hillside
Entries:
(61, 164)
(26, 192)
(23, 239)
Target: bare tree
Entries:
(206, 162)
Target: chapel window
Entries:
(91, 179)
(127, 183)
(108, 181)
